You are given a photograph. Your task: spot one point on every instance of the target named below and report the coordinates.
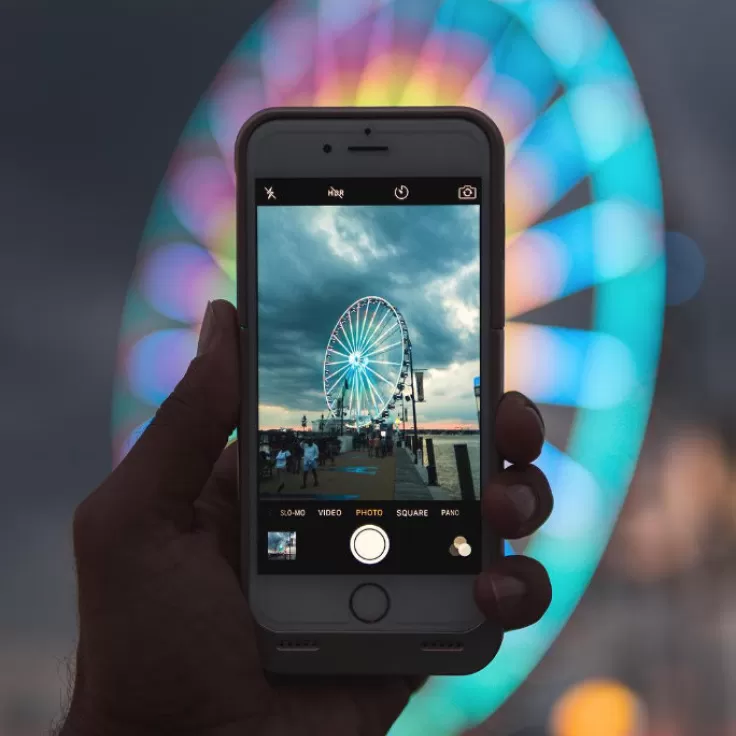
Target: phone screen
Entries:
(369, 337)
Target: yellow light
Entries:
(597, 708)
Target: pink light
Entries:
(201, 187)
(179, 279)
(535, 272)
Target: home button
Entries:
(369, 603)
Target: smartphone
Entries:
(370, 260)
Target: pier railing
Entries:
(462, 463)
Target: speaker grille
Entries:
(367, 149)
(442, 646)
(298, 645)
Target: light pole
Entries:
(413, 404)
(476, 391)
(342, 405)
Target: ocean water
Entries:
(444, 454)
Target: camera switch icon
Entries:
(467, 192)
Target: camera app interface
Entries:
(368, 376)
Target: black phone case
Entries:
(377, 653)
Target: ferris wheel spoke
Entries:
(348, 335)
(367, 395)
(373, 319)
(359, 393)
(369, 337)
(369, 325)
(335, 377)
(337, 352)
(350, 396)
(357, 397)
(365, 319)
(357, 327)
(381, 349)
(385, 334)
(378, 338)
(362, 329)
(353, 340)
(348, 344)
(375, 373)
(341, 342)
(378, 403)
(374, 396)
(340, 370)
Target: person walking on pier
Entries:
(376, 441)
(282, 458)
(296, 455)
(311, 454)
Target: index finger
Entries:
(519, 429)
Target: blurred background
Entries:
(94, 100)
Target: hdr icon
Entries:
(332, 192)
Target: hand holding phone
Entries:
(167, 640)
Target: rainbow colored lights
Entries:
(584, 217)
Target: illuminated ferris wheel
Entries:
(366, 362)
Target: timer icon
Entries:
(401, 192)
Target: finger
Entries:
(216, 509)
(519, 429)
(173, 459)
(517, 501)
(515, 591)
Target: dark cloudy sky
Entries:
(314, 262)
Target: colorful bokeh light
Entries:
(553, 76)
(598, 708)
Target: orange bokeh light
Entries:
(598, 708)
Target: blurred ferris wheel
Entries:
(366, 362)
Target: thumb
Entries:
(175, 455)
